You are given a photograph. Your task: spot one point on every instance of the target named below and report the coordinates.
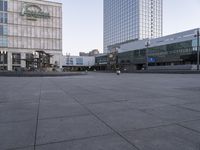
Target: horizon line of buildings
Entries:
(31, 36)
(176, 51)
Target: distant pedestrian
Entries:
(118, 72)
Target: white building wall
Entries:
(169, 39)
(26, 36)
(78, 61)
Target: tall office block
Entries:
(126, 20)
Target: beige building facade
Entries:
(28, 26)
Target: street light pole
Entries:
(1, 53)
(147, 44)
(198, 50)
(3, 57)
(4, 60)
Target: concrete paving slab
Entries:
(135, 95)
(192, 98)
(25, 148)
(173, 100)
(13, 112)
(94, 99)
(192, 106)
(194, 125)
(61, 100)
(165, 138)
(108, 142)
(20, 97)
(107, 107)
(55, 109)
(130, 120)
(173, 113)
(16, 135)
(55, 130)
(145, 103)
(52, 94)
(73, 91)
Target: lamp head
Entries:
(147, 43)
(196, 32)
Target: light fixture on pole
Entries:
(197, 35)
(35, 59)
(147, 44)
(1, 54)
(3, 57)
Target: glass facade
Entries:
(79, 61)
(38, 34)
(3, 5)
(16, 58)
(3, 23)
(3, 17)
(131, 20)
(3, 30)
(3, 58)
(29, 26)
(176, 53)
(101, 60)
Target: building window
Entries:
(3, 30)
(3, 5)
(16, 58)
(79, 61)
(3, 41)
(3, 17)
(71, 61)
(29, 56)
(3, 58)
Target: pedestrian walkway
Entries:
(100, 112)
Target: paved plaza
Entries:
(100, 111)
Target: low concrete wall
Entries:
(174, 67)
(40, 74)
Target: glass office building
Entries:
(27, 26)
(173, 52)
(131, 20)
(176, 51)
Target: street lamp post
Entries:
(36, 61)
(147, 44)
(197, 35)
(3, 56)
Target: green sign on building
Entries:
(33, 12)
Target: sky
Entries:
(83, 22)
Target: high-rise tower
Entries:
(126, 20)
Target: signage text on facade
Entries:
(33, 12)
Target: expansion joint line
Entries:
(115, 131)
(37, 118)
(98, 118)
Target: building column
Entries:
(23, 62)
(9, 58)
(60, 61)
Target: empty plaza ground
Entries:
(100, 111)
